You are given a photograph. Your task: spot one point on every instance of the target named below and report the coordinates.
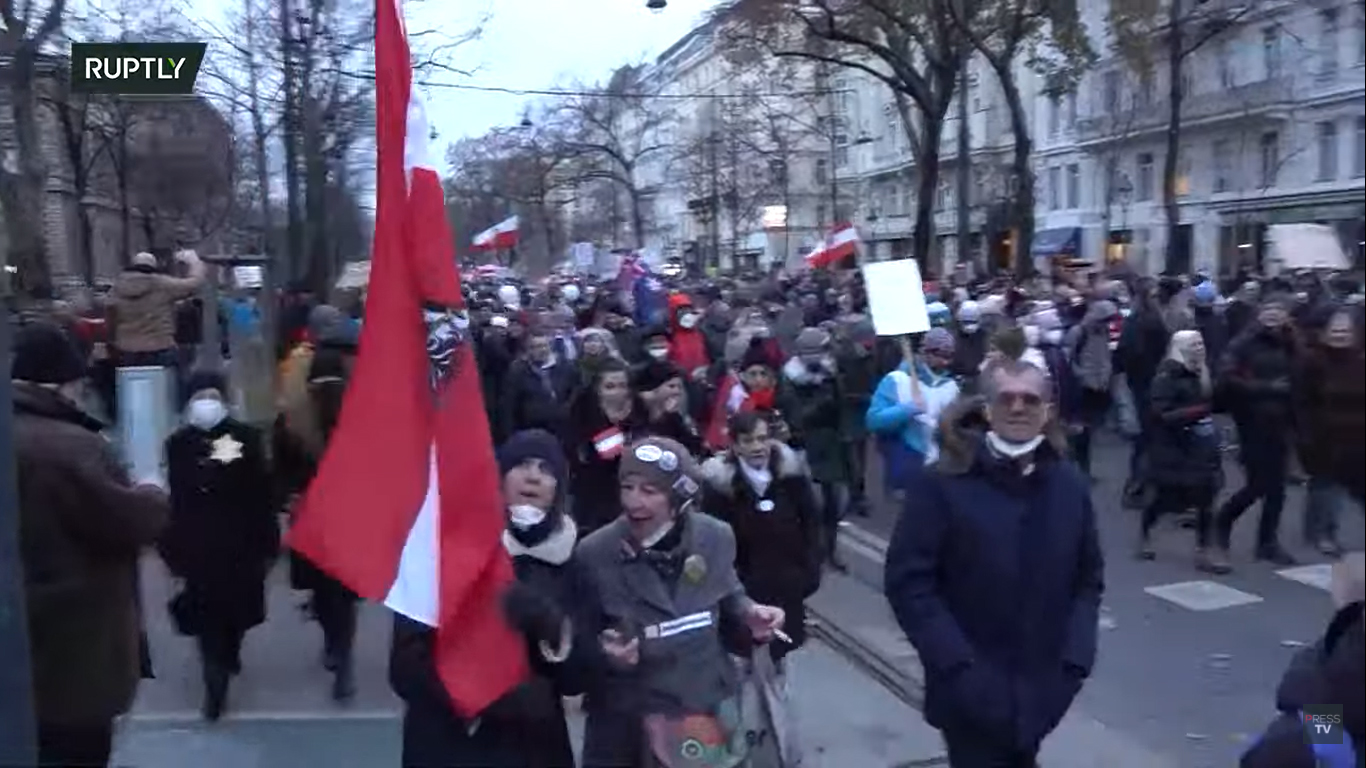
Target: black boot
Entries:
(343, 680)
(216, 678)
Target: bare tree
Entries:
(1162, 35)
(1053, 36)
(29, 26)
(915, 49)
(613, 130)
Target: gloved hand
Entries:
(533, 614)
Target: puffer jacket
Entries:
(144, 309)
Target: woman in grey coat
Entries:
(663, 591)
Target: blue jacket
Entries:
(888, 416)
(996, 578)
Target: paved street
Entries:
(280, 715)
(1188, 663)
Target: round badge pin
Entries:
(649, 453)
(695, 568)
(766, 505)
(668, 461)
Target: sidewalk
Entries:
(856, 619)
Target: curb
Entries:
(905, 687)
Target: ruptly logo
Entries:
(136, 69)
(1322, 724)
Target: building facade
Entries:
(1273, 131)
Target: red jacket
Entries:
(687, 346)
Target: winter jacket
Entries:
(1142, 347)
(1255, 380)
(526, 727)
(223, 535)
(857, 372)
(1329, 672)
(1087, 345)
(687, 346)
(1330, 403)
(892, 412)
(144, 309)
(810, 403)
(1183, 443)
(537, 397)
(82, 528)
(996, 576)
(778, 553)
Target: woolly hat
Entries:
(534, 444)
(653, 375)
(1285, 301)
(756, 355)
(938, 341)
(664, 464)
(45, 354)
(206, 378)
(969, 312)
(324, 320)
(812, 341)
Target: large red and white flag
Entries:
(500, 236)
(405, 507)
(841, 243)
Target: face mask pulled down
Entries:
(524, 516)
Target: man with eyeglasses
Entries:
(995, 573)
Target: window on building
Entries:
(1328, 151)
(841, 151)
(1222, 166)
(1054, 188)
(1054, 115)
(1145, 94)
(1143, 186)
(1111, 85)
(1187, 83)
(1359, 161)
(1223, 59)
(777, 173)
(1182, 182)
(1073, 186)
(944, 195)
(1271, 158)
(822, 215)
(1111, 179)
(1328, 41)
(822, 172)
(1271, 52)
(1072, 110)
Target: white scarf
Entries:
(759, 479)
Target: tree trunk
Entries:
(23, 181)
(927, 186)
(637, 216)
(1171, 163)
(1023, 203)
(294, 227)
(125, 204)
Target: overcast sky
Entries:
(539, 44)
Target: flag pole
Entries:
(17, 723)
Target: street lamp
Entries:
(656, 6)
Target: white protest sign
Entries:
(1307, 246)
(896, 297)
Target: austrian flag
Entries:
(405, 507)
(498, 237)
(839, 245)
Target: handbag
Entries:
(767, 713)
(700, 740)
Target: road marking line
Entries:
(1318, 576)
(188, 717)
(863, 550)
(1202, 595)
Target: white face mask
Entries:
(1052, 338)
(658, 353)
(205, 413)
(970, 327)
(525, 516)
(688, 321)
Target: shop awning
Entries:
(1063, 241)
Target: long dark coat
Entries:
(810, 404)
(524, 729)
(778, 553)
(1183, 445)
(224, 535)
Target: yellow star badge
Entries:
(226, 450)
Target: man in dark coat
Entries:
(995, 573)
(538, 389)
(82, 527)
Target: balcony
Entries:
(1228, 103)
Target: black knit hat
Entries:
(757, 355)
(534, 444)
(206, 378)
(45, 354)
(653, 375)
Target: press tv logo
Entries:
(136, 69)
(1323, 725)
